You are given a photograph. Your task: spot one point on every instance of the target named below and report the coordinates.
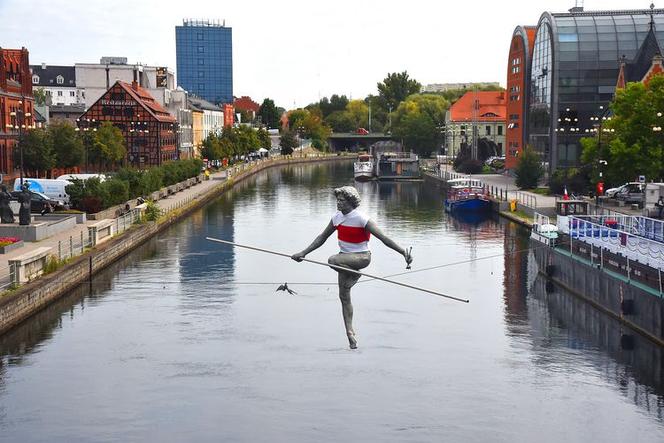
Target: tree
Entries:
(529, 170)
(417, 122)
(264, 139)
(396, 87)
(340, 121)
(40, 96)
(109, 148)
(67, 145)
(269, 113)
(38, 152)
(288, 142)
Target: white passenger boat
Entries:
(363, 168)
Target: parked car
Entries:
(613, 192)
(40, 203)
(631, 193)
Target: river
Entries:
(188, 340)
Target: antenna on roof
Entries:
(652, 19)
(578, 7)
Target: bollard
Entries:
(59, 250)
(82, 244)
(71, 246)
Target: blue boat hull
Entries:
(469, 205)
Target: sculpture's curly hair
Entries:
(350, 194)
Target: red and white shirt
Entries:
(351, 229)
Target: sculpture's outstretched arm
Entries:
(317, 243)
(380, 235)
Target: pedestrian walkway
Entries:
(74, 241)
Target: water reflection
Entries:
(625, 359)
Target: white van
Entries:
(54, 189)
(101, 177)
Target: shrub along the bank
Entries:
(92, 195)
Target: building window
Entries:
(60, 80)
(199, 36)
(201, 74)
(35, 79)
(488, 130)
(500, 129)
(72, 94)
(59, 93)
(201, 49)
(48, 93)
(201, 62)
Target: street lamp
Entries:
(86, 125)
(20, 123)
(300, 131)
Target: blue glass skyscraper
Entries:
(204, 51)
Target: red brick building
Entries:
(16, 106)
(518, 73)
(149, 130)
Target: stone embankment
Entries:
(16, 306)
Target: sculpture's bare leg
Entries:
(347, 280)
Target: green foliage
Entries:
(92, 195)
(152, 211)
(288, 142)
(576, 180)
(336, 103)
(108, 147)
(116, 192)
(396, 87)
(40, 96)
(38, 152)
(340, 121)
(67, 145)
(263, 139)
(269, 113)
(416, 122)
(152, 180)
(630, 147)
(453, 95)
(529, 170)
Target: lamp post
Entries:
(87, 126)
(300, 131)
(20, 124)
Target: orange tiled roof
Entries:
(492, 106)
(144, 98)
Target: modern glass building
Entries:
(575, 64)
(204, 51)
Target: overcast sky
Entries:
(294, 52)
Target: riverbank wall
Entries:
(637, 306)
(22, 303)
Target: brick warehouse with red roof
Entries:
(518, 72)
(485, 109)
(148, 129)
(16, 106)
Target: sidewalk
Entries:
(73, 241)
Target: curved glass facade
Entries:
(541, 74)
(581, 54)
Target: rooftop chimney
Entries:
(43, 65)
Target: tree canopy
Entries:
(269, 113)
(417, 122)
(67, 144)
(631, 141)
(396, 87)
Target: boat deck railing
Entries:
(645, 227)
(635, 238)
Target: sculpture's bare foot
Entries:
(352, 340)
